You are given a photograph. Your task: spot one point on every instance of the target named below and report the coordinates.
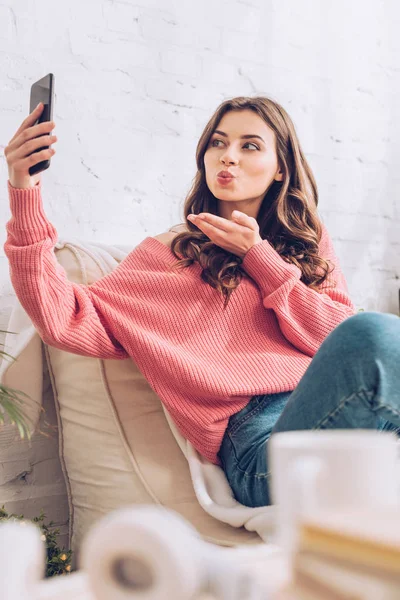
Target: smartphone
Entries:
(42, 91)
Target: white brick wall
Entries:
(136, 82)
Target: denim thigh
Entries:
(243, 451)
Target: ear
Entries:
(279, 176)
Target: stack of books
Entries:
(353, 555)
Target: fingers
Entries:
(23, 147)
(28, 147)
(204, 219)
(30, 138)
(20, 165)
(29, 121)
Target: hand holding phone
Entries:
(28, 152)
(23, 152)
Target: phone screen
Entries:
(42, 91)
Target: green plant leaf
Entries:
(10, 406)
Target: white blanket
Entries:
(209, 481)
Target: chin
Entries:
(222, 194)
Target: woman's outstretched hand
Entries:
(236, 236)
(24, 142)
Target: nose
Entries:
(228, 157)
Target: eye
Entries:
(251, 144)
(246, 144)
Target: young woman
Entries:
(242, 322)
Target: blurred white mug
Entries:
(322, 469)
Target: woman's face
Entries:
(253, 162)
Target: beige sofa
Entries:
(116, 447)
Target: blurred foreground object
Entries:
(137, 553)
(351, 555)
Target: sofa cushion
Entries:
(115, 442)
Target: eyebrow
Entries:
(242, 137)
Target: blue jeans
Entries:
(352, 382)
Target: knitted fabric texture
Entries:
(204, 363)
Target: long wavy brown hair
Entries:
(287, 217)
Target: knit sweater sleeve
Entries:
(306, 317)
(70, 316)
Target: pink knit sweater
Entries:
(204, 363)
